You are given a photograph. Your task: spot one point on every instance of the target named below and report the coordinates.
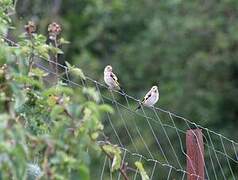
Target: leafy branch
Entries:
(54, 123)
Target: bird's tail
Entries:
(121, 90)
(138, 108)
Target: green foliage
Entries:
(75, 71)
(189, 48)
(35, 44)
(5, 5)
(56, 125)
(142, 171)
(115, 153)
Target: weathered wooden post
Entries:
(195, 155)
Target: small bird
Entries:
(111, 80)
(150, 98)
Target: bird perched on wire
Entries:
(111, 79)
(150, 98)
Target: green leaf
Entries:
(55, 50)
(58, 90)
(142, 171)
(78, 72)
(68, 64)
(63, 41)
(56, 111)
(92, 93)
(38, 72)
(116, 162)
(75, 71)
(83, 173)
(42, 50)
(27, 80)
(94, 135)
(106, 108)
(59, 51)
(25, 50)
(40, 38)
(114, 151)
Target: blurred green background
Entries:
(188, 48)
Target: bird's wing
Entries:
(147, 96)
(115, 79)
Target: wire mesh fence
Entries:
(154, 136)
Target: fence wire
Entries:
(154, 136)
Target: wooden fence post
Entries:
(195, 155)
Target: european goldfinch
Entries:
(150, 98)
(111, 80)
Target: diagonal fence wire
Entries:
(177, 129)
(221, 151)
(113, 100)
(151, 158)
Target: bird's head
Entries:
(108, 68)
(155, 89)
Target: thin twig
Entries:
(31, 57)
(56, 57)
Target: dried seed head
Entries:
(54, 30)
(30, 27)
